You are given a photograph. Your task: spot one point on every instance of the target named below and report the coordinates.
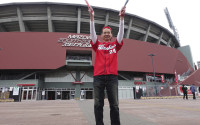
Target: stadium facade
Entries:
(46, 51)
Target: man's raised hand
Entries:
(122, 12)
(90, 10)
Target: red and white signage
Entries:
(76, 41)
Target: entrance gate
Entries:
(29, 93)
(60, 95)
(56, 94)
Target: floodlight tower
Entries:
(171, 25)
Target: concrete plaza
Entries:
(80, 112)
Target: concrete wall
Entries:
(13, 83)
(188, 54)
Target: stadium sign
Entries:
(76, 41)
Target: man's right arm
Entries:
(92, 27)
(93, 32)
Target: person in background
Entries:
(199, 89)
(184, 88)
(192, 88)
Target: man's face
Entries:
(106, 35)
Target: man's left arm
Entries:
(121, 26)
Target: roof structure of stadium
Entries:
(74, 18)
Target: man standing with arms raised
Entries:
(105, 69)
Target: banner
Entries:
(162, 79)
(43, 92)
(11, 89)
(176, 77)
(16, 91)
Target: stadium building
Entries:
(46, 52)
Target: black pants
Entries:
(193, 95)
(185, 95)
(110, 83)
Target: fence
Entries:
(158, 90)
(162, 90)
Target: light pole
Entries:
(2, 93)
(152, 55)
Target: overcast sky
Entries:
(184, 13)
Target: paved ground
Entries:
(73, 112)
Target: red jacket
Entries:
(106, 57)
